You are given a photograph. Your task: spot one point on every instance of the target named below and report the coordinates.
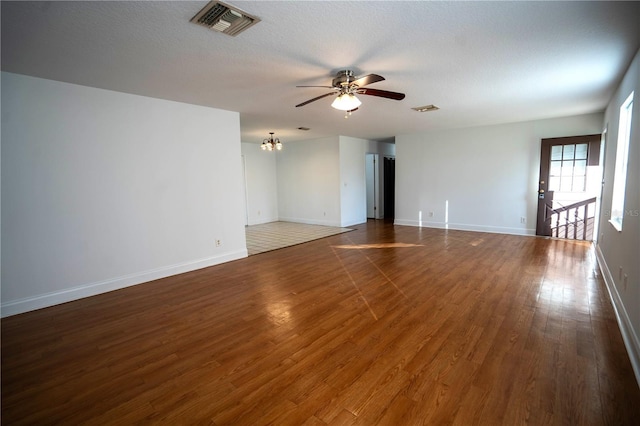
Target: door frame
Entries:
(544, 195)
(372, 182)
(388, 187)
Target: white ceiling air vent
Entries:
(224, 18)
(426, 108)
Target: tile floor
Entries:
(275, 235)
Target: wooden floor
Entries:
(385, 325)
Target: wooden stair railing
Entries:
(565, 223)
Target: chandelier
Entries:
(270, 143)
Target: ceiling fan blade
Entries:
(381, 93)
(367, 79)
(326, 87)
(316, 98)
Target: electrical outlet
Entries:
(523, 219)
(218, 243)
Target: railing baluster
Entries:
(576, 219)
(557, 212)
(584, 221)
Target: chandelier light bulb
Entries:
(270, 144)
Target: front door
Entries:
(569, 183)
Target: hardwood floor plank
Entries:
(384, 325)
(470, 407)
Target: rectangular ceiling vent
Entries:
(224, 18)
(426, 108)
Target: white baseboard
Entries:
(466, 227)
(630, 338)
(262, 221)
(310, 221)
(353, 223)
(19, 306)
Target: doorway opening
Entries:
(380, 183)
(389, 187)
(373, 185)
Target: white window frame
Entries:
(622, 159)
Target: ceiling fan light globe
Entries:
(346, 102)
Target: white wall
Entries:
(353, 191)
(382, 148)
(487, 175)
(261, 184)
(102, 190)
(620, 251)
(309, 182)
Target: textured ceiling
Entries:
(480, 62)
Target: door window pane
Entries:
(579, 183)
(581, 151)
(569, 163)
(568, 152)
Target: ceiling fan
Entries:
(345, 87)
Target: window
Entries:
(622, 157)
(568, 168)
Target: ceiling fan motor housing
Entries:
(343, 76)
